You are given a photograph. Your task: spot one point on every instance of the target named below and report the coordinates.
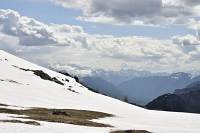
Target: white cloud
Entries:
(65, 45)
(136, 12)
(32, 32)
(72, 3)
(29, 31)
(186, 40)
(72, 69)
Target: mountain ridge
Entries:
(188, 99)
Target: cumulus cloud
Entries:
(191, 2)
(188, 43)
(72, 69)
(63, 45)
(71, 3)
(137, 12)
(187, 40)
(32, 32)
(29, 31)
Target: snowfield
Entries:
(20, 88)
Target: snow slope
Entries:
(24, 89)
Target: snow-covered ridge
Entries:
(22, 88)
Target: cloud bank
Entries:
(63, 45)
(135, 12)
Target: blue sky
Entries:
(48, 12)
(152, 35)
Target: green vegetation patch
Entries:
(68, 116)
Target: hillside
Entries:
(103, 87)
(69, 107)
(183, 100)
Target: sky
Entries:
(85, 35)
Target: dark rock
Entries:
(76, 78)
(42, 75)
(60, 113)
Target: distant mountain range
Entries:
(139, 90)
(118, 77)
(136, 87)
(102, 86)
(144, 89)
(182, 100)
